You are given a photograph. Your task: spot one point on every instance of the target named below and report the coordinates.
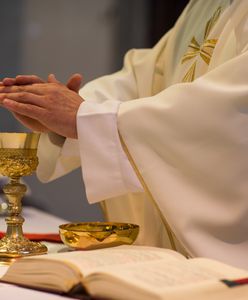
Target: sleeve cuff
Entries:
(107, 171)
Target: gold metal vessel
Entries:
(95, 235)
(18, 157)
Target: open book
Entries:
(129, 272)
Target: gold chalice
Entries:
(18, 157)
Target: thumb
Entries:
(74, 82)
(52, 79)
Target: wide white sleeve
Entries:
(107, 171)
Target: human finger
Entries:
(22, 79)
(74, 82)
(28, 79)
(24, 97)
(31, 123)
(37, 89)
(25, 109)
(8, 81)
(52, 79)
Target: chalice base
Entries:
(14, 247)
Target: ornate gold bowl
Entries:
(18, 153)
(95, 235)
(18, 157)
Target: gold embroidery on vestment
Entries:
(205, 50)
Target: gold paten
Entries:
(95, 235)
(18, 157)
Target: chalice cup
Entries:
(18, 157)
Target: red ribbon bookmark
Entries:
(236, 282)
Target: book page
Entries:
(217, 267)
(89, 261)
(170, 275)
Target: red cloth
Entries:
(46, 237)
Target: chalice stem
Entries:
(14, 192)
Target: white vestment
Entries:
(181, 111)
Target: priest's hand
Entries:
(50, 106)
(73, 84)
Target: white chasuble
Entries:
(182, 118)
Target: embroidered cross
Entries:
(204, 50)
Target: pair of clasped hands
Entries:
(43, 106)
